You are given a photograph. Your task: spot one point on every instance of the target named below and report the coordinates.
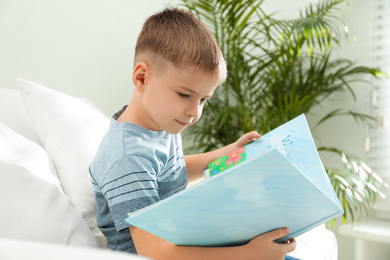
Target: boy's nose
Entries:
(194, 111)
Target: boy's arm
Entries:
(197, 163)
(261, 247)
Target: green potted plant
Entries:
(277, 70)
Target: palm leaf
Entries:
(359, 117)
(277, 70)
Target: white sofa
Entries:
(47, 140)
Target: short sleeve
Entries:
(130, 185)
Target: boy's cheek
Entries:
(195, 120)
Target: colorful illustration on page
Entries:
(227, 161)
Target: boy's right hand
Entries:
(265, 247)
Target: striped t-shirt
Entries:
(133, 168)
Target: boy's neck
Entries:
(129, 115)
(134, 114)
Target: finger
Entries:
(253, 135)
(278, 233)
(288, 242)
(289, 246)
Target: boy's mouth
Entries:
(182, 123)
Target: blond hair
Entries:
(177, 37)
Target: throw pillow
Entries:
(70, 131)
(33, 206)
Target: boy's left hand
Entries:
(247, 138)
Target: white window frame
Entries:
(378, 137)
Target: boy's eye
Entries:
(184, 95)
(203, 101)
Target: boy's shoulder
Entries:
(128, 140)
(127, 147)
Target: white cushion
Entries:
(71, 132)
(11, 249)
(14, 114)
(16, 149)
(318, 243)
(33, 206)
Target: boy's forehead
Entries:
(200, 83)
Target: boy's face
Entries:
(174, 99)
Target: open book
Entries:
(276, 181)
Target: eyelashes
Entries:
(202, 101)
(184, 95)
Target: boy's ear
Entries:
(140, 73)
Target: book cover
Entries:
(276, 181)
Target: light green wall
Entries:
(85, 48)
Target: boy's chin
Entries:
(174, 130)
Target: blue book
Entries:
(276, 181)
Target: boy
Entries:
(177, 67)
